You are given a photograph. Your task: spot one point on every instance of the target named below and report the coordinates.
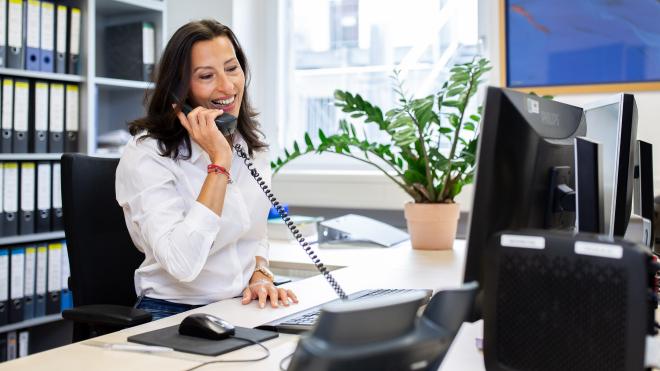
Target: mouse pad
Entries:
(170, 337)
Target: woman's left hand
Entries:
(262, 288)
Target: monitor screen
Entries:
(613, 123)
(525, 154)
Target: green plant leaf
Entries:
(308, 141)
(411, 176)
(455, 91)
(454, 120)
(451, 103)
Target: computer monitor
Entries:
(613, 123)
(588, 186)
(524, 161)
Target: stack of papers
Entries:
(307, 225)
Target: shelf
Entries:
(114, 7)
(41, 75)
(24, 238)
(30, 322)
(29, 156)
(123, 84)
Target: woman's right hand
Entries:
(200, 124)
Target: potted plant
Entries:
(432, 151)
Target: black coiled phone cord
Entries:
(292, 227)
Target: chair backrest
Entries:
(102, 256)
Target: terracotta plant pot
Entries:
(432, 226)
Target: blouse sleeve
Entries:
(179, 237)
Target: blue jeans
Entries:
(162, 308)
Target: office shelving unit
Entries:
(48, 331)
(115, 102)
(105, 104)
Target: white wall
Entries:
(255, 23)
(180, 12)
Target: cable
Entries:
(292, 227)
(284, 360)
(236, 360)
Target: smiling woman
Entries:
(200, 222)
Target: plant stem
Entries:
(427, 162)
(454, 143)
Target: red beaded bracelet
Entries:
(217, 169)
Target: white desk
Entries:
(399, 267)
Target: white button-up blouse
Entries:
(192, 255)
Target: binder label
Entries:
(41, 106)
(61, 29)
(27, 186)
(15, 23)
(21, 106)
(11, 345)
(7, 103)
(54, 267)
(17, 273)
(72, 107)
(56, 107)
(57, 186)
(74, 48)
(43, 186)
(2, 186)
(32, 34)
(42, 253)
(66, 272)
(4, 272)
(30, 265)
(47, 25)
(11, 187)
(23, 341)
(148, 44)
(3, 18)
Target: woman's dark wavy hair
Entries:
(173, 82)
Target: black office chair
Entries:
(102, 256)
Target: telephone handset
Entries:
(226, 123)
(292, 227)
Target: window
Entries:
(355, 45)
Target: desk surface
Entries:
(363, 268)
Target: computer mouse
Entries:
(206, 326)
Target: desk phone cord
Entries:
(292, 227)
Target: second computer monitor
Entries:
(525, 174)
(613, 123)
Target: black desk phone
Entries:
(227, 125)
